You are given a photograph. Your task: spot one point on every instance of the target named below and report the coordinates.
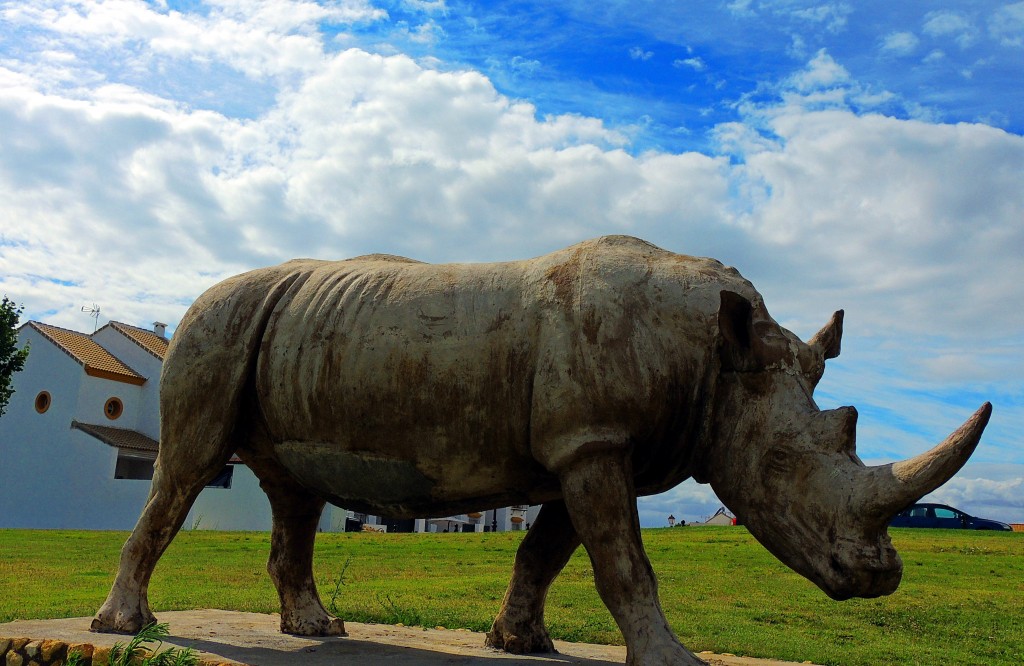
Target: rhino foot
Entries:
(519, 638)
(322, 625)
(670, 654)
(114, 618)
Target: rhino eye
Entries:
(779, 460)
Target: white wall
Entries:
(243, 506)
(93, 393)
(54, 477)
(147, 414)
(51, 476)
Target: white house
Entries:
(80, 434)
(721, 517)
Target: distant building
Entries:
(81, 433)
(721, 517)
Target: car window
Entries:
(919, 512)
(945, 513)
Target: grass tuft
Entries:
(140, 652)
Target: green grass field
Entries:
(961, 600)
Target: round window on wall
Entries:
(43, 401)
(113, 408)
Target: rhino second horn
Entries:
(829, 339)
(898, 485)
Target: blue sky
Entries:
(866, 156)
(675, 70)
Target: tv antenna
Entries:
(94, 312)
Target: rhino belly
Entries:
(405, 488)
(346, 478)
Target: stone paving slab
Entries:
(253, 639)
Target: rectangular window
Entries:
(223, 479)
(133, 467)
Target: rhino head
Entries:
(790, 471)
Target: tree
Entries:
(12, 359)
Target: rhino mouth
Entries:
(865, 572)
(866, 581)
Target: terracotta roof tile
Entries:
(121, 438)
(148, 340)
(96, 360)
(124, 438)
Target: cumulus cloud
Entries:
(955, 25)
(988, 491)
(366, 147)
(638, 53)
(265, 38)
(832, 16)
(1007, 24)
(900, 43)
(122, 192)
(861, 194)
(697, 64)
(822, 72)
(689, 501)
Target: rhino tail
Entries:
(210, 363)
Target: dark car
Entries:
(946, 517)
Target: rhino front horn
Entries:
(896, 486)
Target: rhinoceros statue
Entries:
(578, 380)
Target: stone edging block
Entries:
(45, 652)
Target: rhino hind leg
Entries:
(599, 493)
(519, 625)
(296, 514)
(177, 481)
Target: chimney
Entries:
(160, 328)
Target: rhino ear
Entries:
(828, 340)
(736, 326)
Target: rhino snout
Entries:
(866, 572)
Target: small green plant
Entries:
(333, 604)
(137, 651)
(393, 614)
(75, 659)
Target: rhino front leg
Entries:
(519, 626)
(601, 499)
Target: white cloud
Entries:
(637, 53)
(832, 15)
(138, 200)
(266, 38)
(428, 6)
(898, 210)
(1007, 24)
(697, 64)
(996, 499)
(822, 72)
(689, 501)
(900, 43)
(522, 65)
(944, 23)
(367, 147)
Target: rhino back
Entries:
(402, 378)
(424, 384)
